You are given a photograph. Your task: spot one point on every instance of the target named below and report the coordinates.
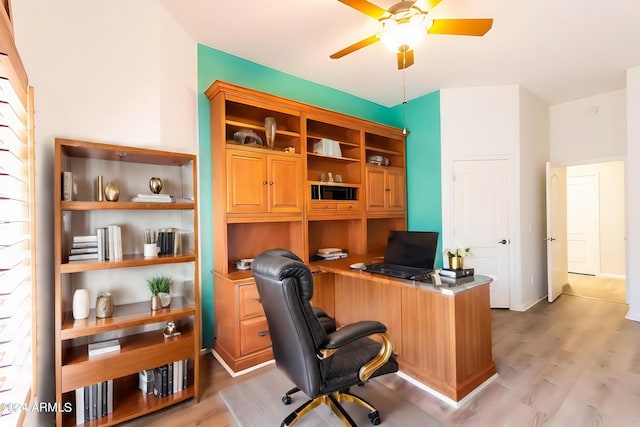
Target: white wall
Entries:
(121, 72)
(588, 129)
(612, 215)
(502, 122)
(533, 155)
(632, 195)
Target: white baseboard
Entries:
(244, 371)
(441, 396)
(527, 306)
(635, 316)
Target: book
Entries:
(102, 347)
(87, 404)
(101, 233)
(185, 372)
(170, 378)
(176, 376)
(88, 250)
(115, 243)
(85, 239)
(456, 281)
(81, 245)
(109, 397)
(103, 400)
(154, 198)
(94, 401)
(460, 272)
(69, 186)
(79, 408)
(83, 257)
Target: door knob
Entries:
(503, 241)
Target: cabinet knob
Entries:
(264, 182)
(326, 206)
(387, 189)
(263, 333)
(270, 182)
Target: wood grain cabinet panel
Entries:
(254, 335)
(246, 182)
(386, 188)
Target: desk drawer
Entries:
(250, 305)
(323, 206)
(352, 205)
(254, 335)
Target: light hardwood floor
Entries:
(605, 288)
(575, 362)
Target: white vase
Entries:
(81, 305)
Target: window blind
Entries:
(17, 246)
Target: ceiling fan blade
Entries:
(427, 5)
(405, 59)
(461, 27)
(358, 45)
(365, 7)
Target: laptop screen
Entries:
(412, 248)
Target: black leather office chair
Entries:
(324, 366)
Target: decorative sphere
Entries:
(111, 192)
(155, 184)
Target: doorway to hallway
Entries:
(597, 287)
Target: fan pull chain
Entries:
(404, 92)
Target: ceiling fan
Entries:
(405, 24)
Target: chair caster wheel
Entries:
(286, 400)
(374, 417)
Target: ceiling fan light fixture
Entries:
(404, 33)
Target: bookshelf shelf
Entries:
(136, 260)
(139, 352)
(124, 316)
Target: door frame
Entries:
(448, 209)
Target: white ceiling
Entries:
(559, 50)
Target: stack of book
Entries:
(154, 198)
(94, 401)
(84, 248)
(456, 276)
(103, 347)
(331, 253)
(168, 241)
(165, 380)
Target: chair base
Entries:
(333, 402)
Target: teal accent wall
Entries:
(424, 194)
(214, 65)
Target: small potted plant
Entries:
(160, 286)
(456, 257)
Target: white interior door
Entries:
(557, 272)
(583, 224)
(481, 211)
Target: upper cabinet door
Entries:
(285, 184)
(396, 189)
(246, 182)
(375, 188)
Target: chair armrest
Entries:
(352, 332)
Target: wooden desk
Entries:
(442, 336)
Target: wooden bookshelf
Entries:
(138, 329)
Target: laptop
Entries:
(409, 255)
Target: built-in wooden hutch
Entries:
(266, 198)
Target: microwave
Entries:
(332, 192)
